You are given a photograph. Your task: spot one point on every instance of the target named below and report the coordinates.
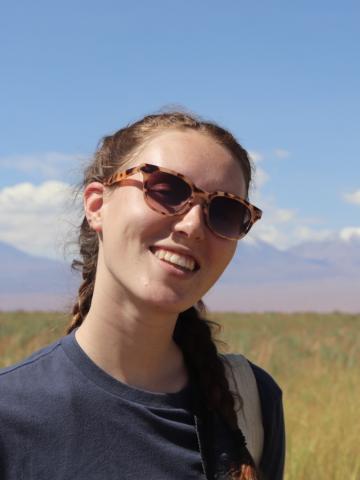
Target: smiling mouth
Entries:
(182, 262)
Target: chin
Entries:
(171, 303)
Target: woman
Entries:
(137, 389)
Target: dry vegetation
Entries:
(315, 358)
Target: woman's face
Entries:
(134, 238)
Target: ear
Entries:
(93, 202)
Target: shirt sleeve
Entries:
(273, 456)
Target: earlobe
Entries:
(93, 202)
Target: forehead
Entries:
(196, 155)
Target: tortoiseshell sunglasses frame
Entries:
(147, 170)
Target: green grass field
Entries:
(315, 358)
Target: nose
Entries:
(191, 223)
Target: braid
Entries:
(193, 334)
(89, 251)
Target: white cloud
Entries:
(283, 215)
(33, 198)
(353, 197)
(282, 227)
(304, 233)
(283, 231)
(49, 165)
(281, 153)
(349, 233)
(256, 157)
(37, 219)
(260, 176)
(267, 233)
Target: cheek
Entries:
(220, 255)
(148, 226)
(134, 221)
(223, 252)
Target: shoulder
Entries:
(29, 362)
(31, 376)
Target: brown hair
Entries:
(193, 333)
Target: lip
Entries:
(180, 251)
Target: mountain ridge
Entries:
(313, 275)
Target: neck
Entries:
(134, 344)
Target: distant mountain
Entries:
(321, 276)
(263, 264)
(31, 282)
(312, 276)
(345, 255)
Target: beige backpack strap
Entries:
(242, 381)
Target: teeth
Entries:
(175, 258)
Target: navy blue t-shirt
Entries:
(62, 417)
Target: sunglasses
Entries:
(171, 193)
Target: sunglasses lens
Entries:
(166, 193)
(228, 217)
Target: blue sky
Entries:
(282, 76)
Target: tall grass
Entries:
(315, 359)
(22, 333)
